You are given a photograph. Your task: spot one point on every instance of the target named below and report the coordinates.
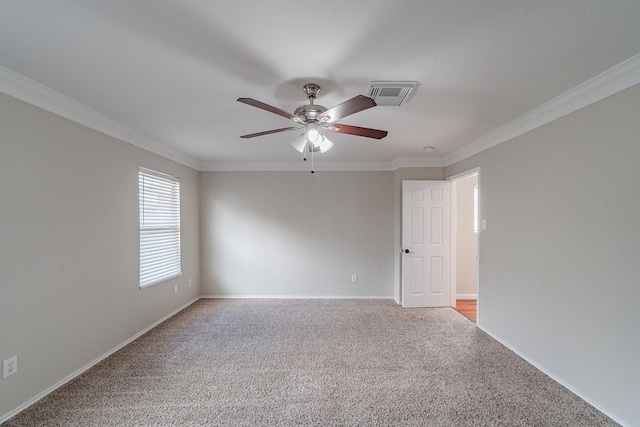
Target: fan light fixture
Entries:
(311, 141)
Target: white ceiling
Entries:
(170, 71)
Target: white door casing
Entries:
(426, 243)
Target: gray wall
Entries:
(69, 247)
(297, 234)
(559, 260)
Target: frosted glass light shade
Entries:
(300, 142)
(313, 140)
(314, 137)
(325, 145)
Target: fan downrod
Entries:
(311, 90)
(308, 113)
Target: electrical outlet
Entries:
(189, 282)
(10, 366)
(354, 278)
(175, 289)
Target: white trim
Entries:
(296, 297)
(70, 377)
(610, 82)
(34, 93)
(453, 282)
(412, 162)
(298, 166)
(466, 296)
(465, 174)
(554, 377)
(454, 215)
(321, 166)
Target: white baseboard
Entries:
(555, 378)
(466, 296)
(295, 297)
(70, 377)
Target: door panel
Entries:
(417, 220)
(426, 235)
(417, 282)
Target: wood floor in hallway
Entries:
(467, 307)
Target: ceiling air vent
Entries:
(390, 92)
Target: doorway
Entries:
(434, 274)
(465, 232)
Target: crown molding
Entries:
(32, 92)
(416, 162)
(319, 166)
(610, 82)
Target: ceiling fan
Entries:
(314, 118)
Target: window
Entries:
(159, 227)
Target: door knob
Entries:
(407, 251)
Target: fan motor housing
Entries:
(310, 111)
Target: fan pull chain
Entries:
(312, 171)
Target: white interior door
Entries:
(426, 243)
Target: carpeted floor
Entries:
(312, 363)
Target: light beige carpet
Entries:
(312, 363)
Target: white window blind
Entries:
(159, 227)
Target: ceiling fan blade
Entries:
(267, 132)
(356, 130)
(348, 107)
(267, 107)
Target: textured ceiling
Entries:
(172, 70)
